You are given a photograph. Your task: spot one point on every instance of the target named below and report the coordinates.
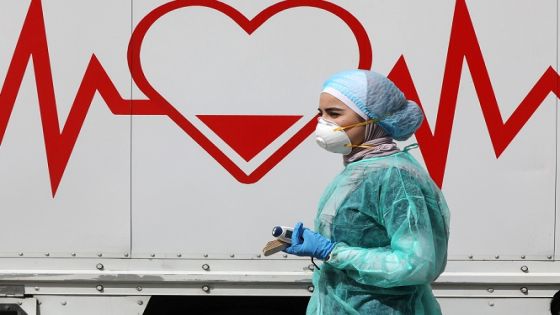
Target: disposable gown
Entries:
(391, 225)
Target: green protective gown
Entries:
(390, 223)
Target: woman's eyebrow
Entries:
(331, 109)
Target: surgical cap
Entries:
(373, 96)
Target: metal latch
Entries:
(12, 291)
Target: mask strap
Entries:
(363, 123)
(410, 147)
(365, 146)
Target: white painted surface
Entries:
(91, 211)
(140, 185)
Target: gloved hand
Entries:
(308, 243)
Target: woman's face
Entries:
(332, 109)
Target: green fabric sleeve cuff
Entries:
(334, 257)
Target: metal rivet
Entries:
(525, 269)
(125, 254)
(179, 255)
(231, 255)
(20, 254)
(152, 255)
(205, 255)
(206, 288)
(471, 256)
(99, 254)
(19, 303)
(311, 267)
(100, 266)
(63, 302)
(140, 302)
(285, 256)
(490, 290)
(47, 254)
(524, 290)
(138, 288)
(549, 257)
(259, 256)
(497, 256)
(206, 267)
(99, 288)
(73, 254)
(523, 257)
(36, 288)
(39, 302)
(491, 303)
(310, 288)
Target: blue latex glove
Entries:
(308, 243)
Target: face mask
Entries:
(332, 137)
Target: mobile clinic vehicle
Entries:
(147, 147)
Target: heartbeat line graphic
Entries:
(32, 45)
(463, 45)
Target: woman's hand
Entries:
(308, 243)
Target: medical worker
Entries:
(382, 224)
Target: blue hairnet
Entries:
(378, 98)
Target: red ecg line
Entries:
(32, 43)
(463, 45)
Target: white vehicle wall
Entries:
(147, 148)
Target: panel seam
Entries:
(130, 137)
(557, 130)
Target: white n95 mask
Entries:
(332, 137)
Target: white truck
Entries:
(147, 148)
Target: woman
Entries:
(382, 224)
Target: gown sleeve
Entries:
(410, 259)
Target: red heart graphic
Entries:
(156, 104)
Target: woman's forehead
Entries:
(328, 101)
